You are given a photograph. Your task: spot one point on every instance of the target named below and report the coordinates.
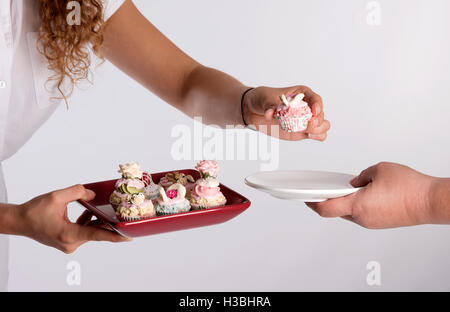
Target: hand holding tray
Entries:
(102, 209)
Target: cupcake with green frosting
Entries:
(130, 184)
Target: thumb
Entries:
(269, 114)
(74, 193)
(93, 233)
(364, 178)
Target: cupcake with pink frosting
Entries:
(130, 184)
(294, 114)
(172, 201)
(206, 194)
(136, 208)
(208, 168)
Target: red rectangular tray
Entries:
(102, 209)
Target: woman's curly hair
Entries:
(65, 44)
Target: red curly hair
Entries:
(67, 45)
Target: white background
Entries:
(386, 92)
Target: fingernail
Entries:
(127, 239)
(316, 122)
(317, 110)
(90, 193)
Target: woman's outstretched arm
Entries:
(134, 45)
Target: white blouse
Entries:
(27, 100)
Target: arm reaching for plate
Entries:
(393, 196)
(135, 46)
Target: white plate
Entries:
(304, 186)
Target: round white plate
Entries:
(304, 186)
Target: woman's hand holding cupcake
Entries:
(260, 107)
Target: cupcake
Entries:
(130, 183)
(135, 209)
(173, 200)
(207, 194)
(177, 177)
(294, 114)
(151, 189)
(208, 168)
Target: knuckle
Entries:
(79, 188)
(323, 137)
(319, 98)
(324, 213)
(66, 238)
(366, 223)
(53, 197)
(382, 165)
(67, 249)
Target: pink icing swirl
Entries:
(209, 167)
(204, 191)
(293, 111)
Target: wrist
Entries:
(245, 105)
(11, 219)
(439, 201)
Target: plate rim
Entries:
(349, 190)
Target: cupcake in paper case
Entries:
(208, 168)
(172, 201)
(130, 183)
(294, 114)
(207, 194)
(137, 208)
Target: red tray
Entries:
(102, 209)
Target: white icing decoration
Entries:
(296, 101)
(181, 190)
(163, 194)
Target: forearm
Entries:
(135, 46)
(212, 95)
(9, 219)
(440, 201)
